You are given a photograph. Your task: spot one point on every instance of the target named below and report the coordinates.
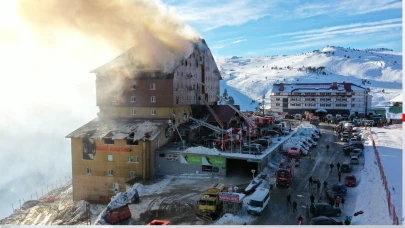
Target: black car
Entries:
(358, 144)
(271, 133)
(346, 168)
(324, 209)
(348, 149)
(263, 142)
(323, 220)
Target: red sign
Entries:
(403, 117)
(116, 149)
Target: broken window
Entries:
(108, 138)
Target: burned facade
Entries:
(137, 105)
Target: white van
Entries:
(258, 202)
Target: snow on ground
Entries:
(370, 193)
(247, 79)
(389, 146)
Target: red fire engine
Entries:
(285, 172)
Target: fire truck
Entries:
(285, 172)
(294, 153)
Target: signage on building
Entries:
(209, 168)
(113, 149)
(229, 196)
(203, 160)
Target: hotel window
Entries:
(133, 99)
(110, 158)
(152, 86)
(110, 172)
(153, 99)
(133, 112)
(132, 174)
(133, 159)
(88, 170)
(153, 112)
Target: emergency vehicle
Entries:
(285, 172)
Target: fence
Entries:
(49, 192)
(391, 207)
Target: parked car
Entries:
(268, 138)
(356, 152)
(346, 167)
(324, 209)
(250, 150)
(288, 116)
(260, 147)
(345, 138)
(298, 116)
(339, 190)
(356, 145)
(323, 220)
(350, 180)
(354, 160)
(271, 133)
(264, 142)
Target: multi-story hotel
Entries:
(136, 103)
(336, 98)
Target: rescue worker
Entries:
(294, 205)
(325, 184)
(288, 199)
(312, 198)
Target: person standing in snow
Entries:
(288, 199)
(318, 185)
(325, 184)
(338, 166)
(343, 202)
(337, 201)
(339, 175)
(312, 198)
(289, 190)
(310, 181)
(294, 205)
(331, 166)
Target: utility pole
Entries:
(263, 98)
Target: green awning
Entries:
(395, 109)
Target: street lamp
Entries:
(253, 172)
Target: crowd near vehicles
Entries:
(258, 201)
(209, 205)
(285, 173)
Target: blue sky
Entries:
(276, 27)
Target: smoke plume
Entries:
(158, 36)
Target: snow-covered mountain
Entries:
(248, 79)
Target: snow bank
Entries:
(230, 219)
(371, 193)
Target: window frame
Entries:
(110, 172)
(152, 86)
(133, 112)
(110, 157)
(153, 112)
(129, 160)
(89, 171)
(133, 99)
(152, 99)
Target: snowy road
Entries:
(278, 213)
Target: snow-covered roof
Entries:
(316, 87)
(398, 98)
(119, 129)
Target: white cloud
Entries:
(215, 14)
(239, 41)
